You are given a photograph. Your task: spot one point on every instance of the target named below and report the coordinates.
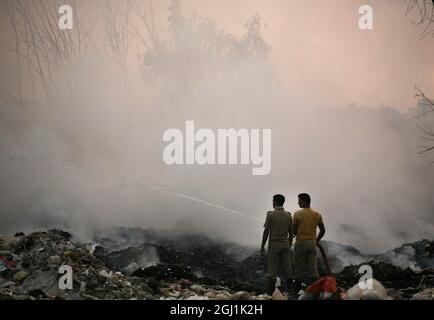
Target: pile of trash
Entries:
(416, 255)
(211, 262)
(30, 268)
(145, 264)
(400, 283)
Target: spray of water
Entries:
(117, 179)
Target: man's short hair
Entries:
(305, 198)
(279, 199)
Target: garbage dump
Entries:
(159, 266)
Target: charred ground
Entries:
(132, 263)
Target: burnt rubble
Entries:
(128, 263)
(29, 270)
(403, 283)
(208, 262)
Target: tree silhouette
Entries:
(194, 44)
(421, 13)
(425, 113)
(41, 47)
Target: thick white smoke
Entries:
(359, 164)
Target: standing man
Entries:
(306, 221)
(278, 227)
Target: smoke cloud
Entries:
(359, 163)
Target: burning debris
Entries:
(146, 264)
(29, 269)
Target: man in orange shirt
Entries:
(305, 223)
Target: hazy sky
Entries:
(318, 48)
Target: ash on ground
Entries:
(131, 263)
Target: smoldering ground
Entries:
(359, 163)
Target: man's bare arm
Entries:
(265, 238)
(321, 232)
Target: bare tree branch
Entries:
(425, 107)
(117, 21)
(41, 47)
(421, 13)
